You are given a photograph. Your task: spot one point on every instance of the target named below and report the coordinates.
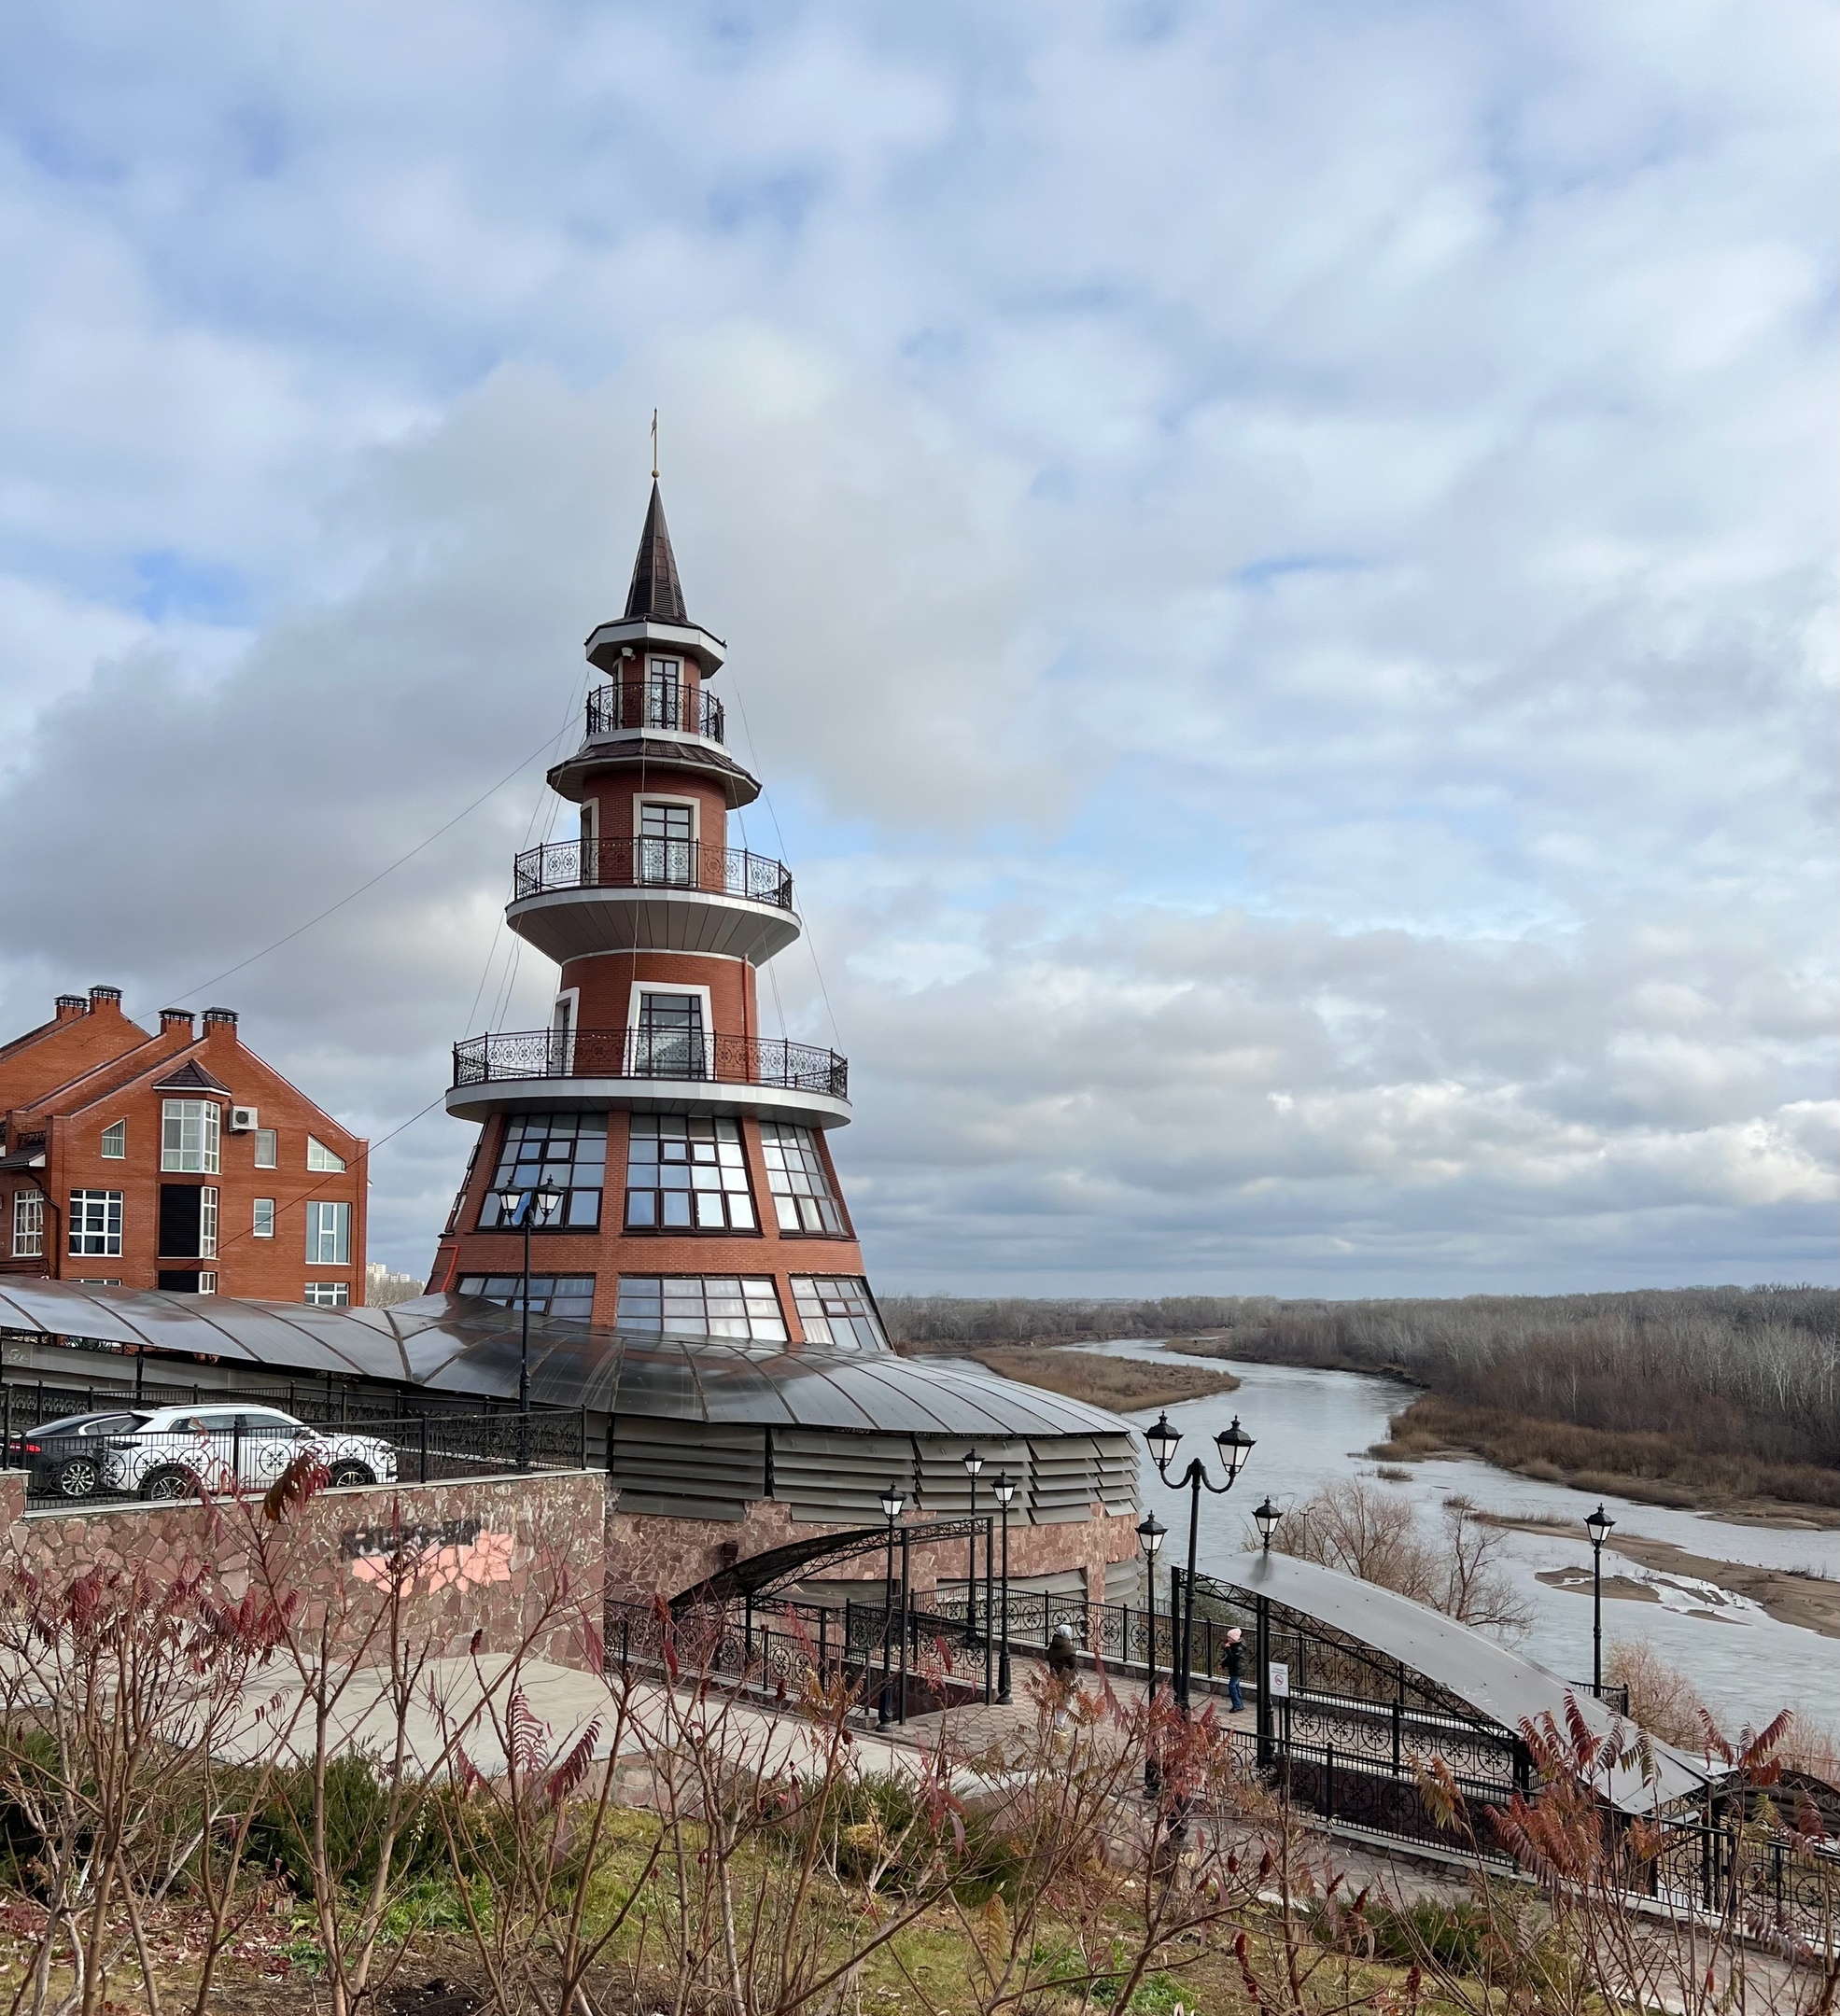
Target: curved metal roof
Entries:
(462, 1344)
(1477, 1669)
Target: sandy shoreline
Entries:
(1808, 1602)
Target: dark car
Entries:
(64, 1458)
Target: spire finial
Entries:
(655, 444)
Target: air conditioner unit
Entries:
(243, 1119)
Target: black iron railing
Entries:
(643, 864)
(636, 703)
(74, 1469)
(651, 1054)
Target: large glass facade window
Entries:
(803, 1199)
(702, 1305)
(95, 1222)
(551, 1294)
(687, 1174)
(564, 1152)
(837, 1310)
(189, 1130)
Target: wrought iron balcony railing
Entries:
(652, 1054)
(642, 703)
(643, 863)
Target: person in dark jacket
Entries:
(1233, 1664)
(1062, 1669)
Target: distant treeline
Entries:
(1738, 1370)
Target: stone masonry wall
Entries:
(508, 1557)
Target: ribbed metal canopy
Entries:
(657, 593)
(462, 1344)
(1475, 1668)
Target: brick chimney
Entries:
(72, 1007)
(220, 1025)
(176, 1023)
(105, 1001)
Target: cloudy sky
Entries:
(1277, 561)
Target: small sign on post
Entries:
(1280, 1674)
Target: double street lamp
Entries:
(1005, 1489)
(1150, 1533)
(1234, 1445)
(1598, 1526)
(520, 1207)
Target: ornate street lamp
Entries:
(973, 1462)
(1234, 1445)
(1267, 1517)
(1598, 1526)
(518, 1207)
(1150, 1533)
(892, 1500)
(1004, 1489)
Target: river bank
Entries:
(1123, 1385)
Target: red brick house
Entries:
(178, 1160)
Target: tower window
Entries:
(114, 1143)
(667, 842)
(687, 1174)
(28, 1224)
(329, 1233)
(96, 1223)
(837, 1310)
(664, 688)
(319, 1156)
(189, 1136)
(702, 1305)
(555, 1151)
(551, 1294)
(669, 1041)
(803, 1199)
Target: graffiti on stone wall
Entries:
(434, 1557)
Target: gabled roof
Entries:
(191, 1076)
(657, 593)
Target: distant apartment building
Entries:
(176, 1160)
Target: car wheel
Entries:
(349, 1472)
(77, 1478)
(169, 1483)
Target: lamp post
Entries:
(1004, 1489)
(891, 1502)
(517, 1206)
(1267, 1517)
(1150, 1533)
(1598, 1526)
(973, 1462)
(1234, 1445)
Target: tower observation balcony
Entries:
(631, 704)
(573, 898)
(648, 1072)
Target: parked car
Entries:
(66, 1458)
(172, 1451)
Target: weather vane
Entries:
(655, 444)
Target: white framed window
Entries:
(670, 1035)
(837, 1310)
(208, 1222)
(803, 1199)
(263, 1227)
(28, 1224)
(329, 1233)
(114, 1143)
(207, 1284)
(266, 1147)
(665, 841)
(328, 1293)
(664, 693)
(702, 1305)
(95, 1224)
(319, 1156)
(687, 1173)
(188, 1129)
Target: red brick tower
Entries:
(686, 1150)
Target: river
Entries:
(1311, 1427)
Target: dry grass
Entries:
(1122, 1384)
(1662, 1469)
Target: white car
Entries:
(176, 1449)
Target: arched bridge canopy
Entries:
(1466, 1663)
(780, 1567)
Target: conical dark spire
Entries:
(656, 591)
